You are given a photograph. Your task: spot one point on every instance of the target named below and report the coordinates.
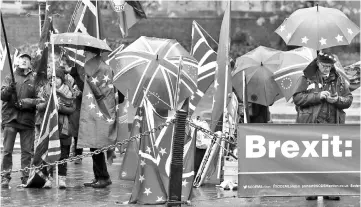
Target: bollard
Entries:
(176, 167)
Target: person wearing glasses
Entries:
(321, 96)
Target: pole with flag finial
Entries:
(52, 37)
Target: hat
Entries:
(326, 58)
(25, 55)
(59, 72)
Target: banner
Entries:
(298, 160)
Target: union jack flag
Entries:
(86, 20)
(149, 68)
(47, 147)
(207, 63)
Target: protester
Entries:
(18, 116)
(65, 95)
(75, 76)
(93, 63)
(321, 95)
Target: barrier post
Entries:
(176, 167)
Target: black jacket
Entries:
(25, 90)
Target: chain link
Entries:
(98, 151)
(212, 134)
(113, 146)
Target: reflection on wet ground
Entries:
(119, 192)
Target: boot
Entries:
(89, 184)
(311, 198)
(334, 198)
(5, 182)
(62, 184)
(47, 184)
(102, 183)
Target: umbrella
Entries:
(353, 72)
(149, 67)
(293, 63)
(79, 39)
(259, 66)
(318, 27)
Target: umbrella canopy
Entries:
(259, 66)
(293, 63)
(79, 39)
(149, 67)
(318, 27)
(353, 72)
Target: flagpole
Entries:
(97, 19)
(244, 97)
(7, 49)
(53, 84)
(177, 90)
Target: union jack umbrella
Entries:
(318, 28)
(149, 67)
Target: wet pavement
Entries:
(119, 192)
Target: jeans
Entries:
(27, 148)
(99, 166)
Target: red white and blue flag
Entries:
(207, 63)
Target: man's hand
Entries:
(332, 100)
(12, 87)
(324, 94)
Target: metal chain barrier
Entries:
(98, 151)
(212, 134)
(104, 149)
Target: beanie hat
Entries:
(326, 58)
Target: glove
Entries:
(12, 87)
(18, 105)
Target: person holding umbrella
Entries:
(321, 96)
(18, 116)
(94, 63)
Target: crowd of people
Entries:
(24, 104)
(321, 95)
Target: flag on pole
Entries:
(207, 64)
(148, 187)
(110, 59)
(47, 147)
(41, 58)
(129, 13)
(222, 85)
(4, 62)
(85, 19)
(130, 162)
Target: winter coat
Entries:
(25, 94)
(308, 101)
